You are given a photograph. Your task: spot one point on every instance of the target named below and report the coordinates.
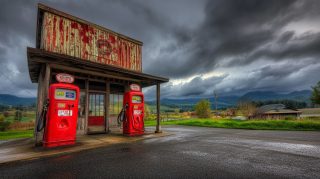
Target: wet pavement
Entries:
(192, 152)
(24, 149)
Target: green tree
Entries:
(247, 108)
(315, 96)
(203, 109)
(3, 124)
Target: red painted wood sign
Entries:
(69, 37)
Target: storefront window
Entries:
(82, 103)
(96, 106)
(116, 101)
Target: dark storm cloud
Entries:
(285, 37)
(17, 18)
(186, 38)
(237, 29)
(278, 77)
(2, 50)
(196, 87)
(307, 46)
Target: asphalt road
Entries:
(192, 152)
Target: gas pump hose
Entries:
(122, 116)
(42, 118)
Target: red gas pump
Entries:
(132, 113)
(61, 119)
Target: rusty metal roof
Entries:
(283, 111)
(275, 109)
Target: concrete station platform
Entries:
(24, 149)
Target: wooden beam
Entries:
(97, 91)
(39, 104)
(43, 88)
(83, 71)
(158, 126)
(107, 104)
(86, 106)
(37, 56)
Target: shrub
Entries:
(203, 109)
(247, 108)
(290, 118)
(3, 124)
(6, 114)
(315, 96)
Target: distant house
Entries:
(276, 111)
(310, 112)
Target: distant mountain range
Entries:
(223, 101)
(303, 96)
(229, 101)
(7, 99)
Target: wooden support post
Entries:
(86, 106)
(107, 104)
(43, 88)
(158, 127)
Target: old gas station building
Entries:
(104, 64)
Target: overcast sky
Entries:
(231, 46)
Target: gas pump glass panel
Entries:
(96, 118)
(65, 94)
(136, 99)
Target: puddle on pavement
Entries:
(294, 148)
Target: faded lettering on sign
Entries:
(85, 41)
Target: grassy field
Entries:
(26, 116)
(16, 134)
(301, 124)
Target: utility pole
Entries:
(215, 99)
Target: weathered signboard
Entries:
(70, 37)
(64, 78)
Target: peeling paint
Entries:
(64, 36)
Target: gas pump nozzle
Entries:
(42, 118)
(122, 115)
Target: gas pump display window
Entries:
(65, 94)
(136, 99)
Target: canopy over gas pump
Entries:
(60, 122)
(132, 113)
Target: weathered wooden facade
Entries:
(104, 64)
(88, 42)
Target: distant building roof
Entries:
(270, 107)
(276, 109)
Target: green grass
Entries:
(16, 134)
(313, 125)
(23, 119)
(26, 116)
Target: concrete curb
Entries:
(34, 153)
